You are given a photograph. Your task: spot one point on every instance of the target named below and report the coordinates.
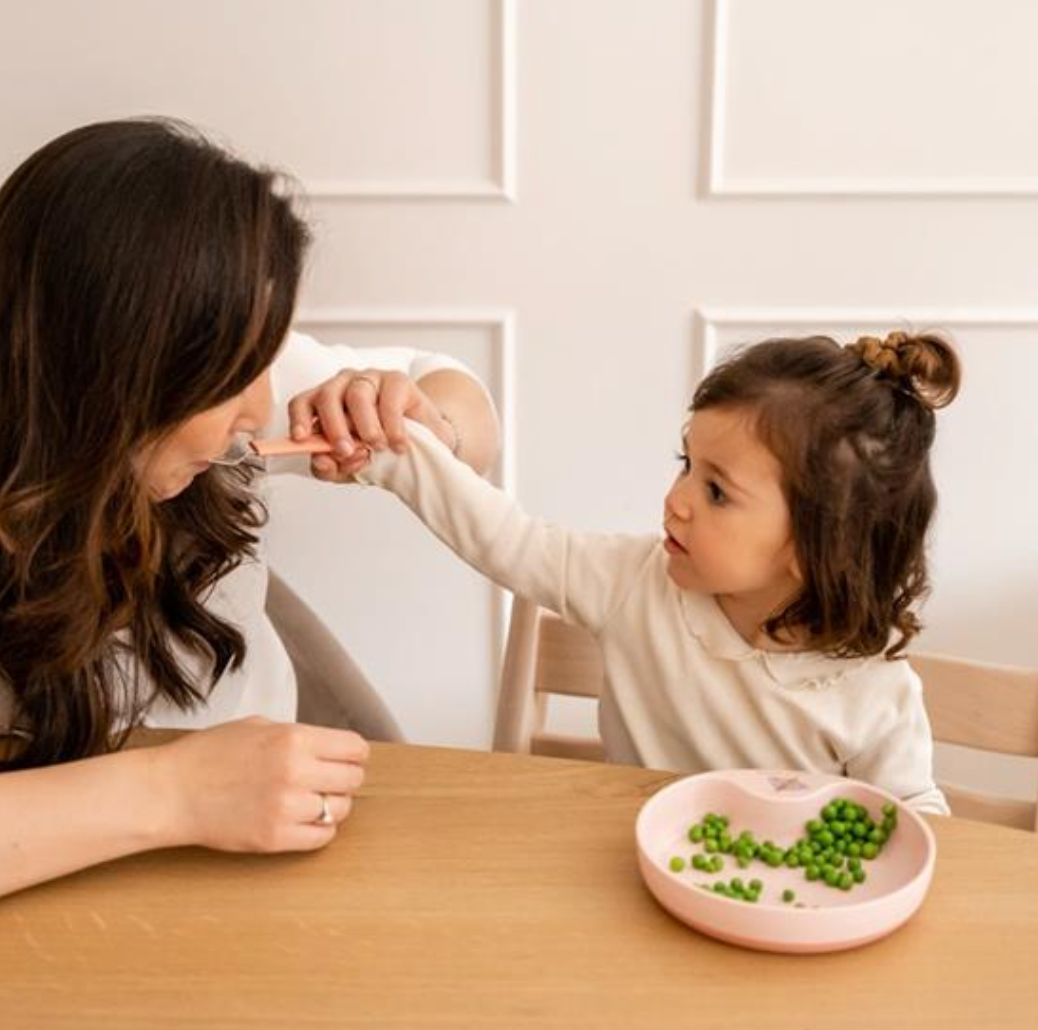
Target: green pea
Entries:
(812, 872)
(710, 845)
(846, 881)
(756, 886)
(788, 896)
(832, 877)
(677, 864)
(869, 850)
(695, 834)
(859, 875)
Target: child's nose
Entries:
(678, 501)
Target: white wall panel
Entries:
(890, 97)
(370, 98)
(425, 628)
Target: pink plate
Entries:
(775, 805)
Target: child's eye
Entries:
(683, 459)
(715, 493)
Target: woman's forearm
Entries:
(248, 785)
(465, 404)
(61, 818)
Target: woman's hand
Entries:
(257, 785)
(361, 411)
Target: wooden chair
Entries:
(544, 656)
(990, 708)
(986, 707)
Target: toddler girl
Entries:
(767, 627)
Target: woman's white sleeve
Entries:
(303, 363)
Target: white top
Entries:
(265, 683)
(682, 689)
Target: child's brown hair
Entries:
(852, 427)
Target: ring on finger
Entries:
(325, 818)
(363, 379)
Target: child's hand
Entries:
(256, 785)
(361, 411)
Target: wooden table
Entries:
(486, 890)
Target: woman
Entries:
(147, 283)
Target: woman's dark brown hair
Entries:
(146, 275)
(852, 428)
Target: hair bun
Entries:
(924, 365)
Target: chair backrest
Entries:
(545, 656)
(987, 707)
(977, 705)
(332, 689)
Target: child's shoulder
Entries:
(856, 676)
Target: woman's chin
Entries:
(174, 486)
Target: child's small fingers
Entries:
(324, 466)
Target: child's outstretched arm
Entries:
(584, 577)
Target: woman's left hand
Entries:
(360, 411)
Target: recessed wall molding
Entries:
(500, 324)
(501, 186)
(720, 182)
(710, 324)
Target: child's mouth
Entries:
(671, 546)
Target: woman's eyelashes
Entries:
(684, 461)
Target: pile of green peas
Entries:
(831, 850)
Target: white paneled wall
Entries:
(582, 198)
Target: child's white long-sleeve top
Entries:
(682, 689)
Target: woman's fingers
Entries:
(337, 419)
(398, 397)
(335, 745)
(336, 777)
(362, 401)
(313, 805)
